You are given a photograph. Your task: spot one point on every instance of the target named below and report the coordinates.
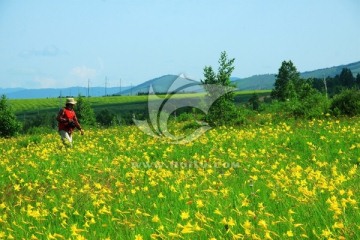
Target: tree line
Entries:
(291, 96)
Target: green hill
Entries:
(164, 84)
(266, 81)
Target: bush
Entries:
(43, 122)
(346, 102)
(222, 113)
(254, 102)
(183, 117)
(84, 112)
(9, 126)
(311, 106)
(106, 118)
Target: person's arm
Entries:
(60, 117)
(77, 124)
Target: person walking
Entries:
(67, 122)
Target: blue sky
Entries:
(64, 43)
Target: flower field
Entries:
(292, 180)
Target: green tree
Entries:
(286, 83)
(218, 87)
(9, 125)
(84, 112)
(254, 101)
(346, 103)
(346, 78)
(358, 80)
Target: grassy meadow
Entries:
(289, 180)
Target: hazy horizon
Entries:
(63, 44)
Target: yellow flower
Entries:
(197, 227)
(338, 225)
(231, 222)
(184, 215)
(155, 219)
(199, 203)
(267, 235)
(247, 226)
(326, 233)
(17, 187)
(138, 237)
(33, 237)
(262, 224)
(138, 212)
(289, 233)
(104, 210)
(291, 211)
(55, 210)
(89, 214)
(171, 234)
(161, 195)
(75, 230)
(161, 228)
(251, 214)
(63, 215)
(217, 211)
(188, 228)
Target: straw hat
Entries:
(70, 101)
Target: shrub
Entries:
(43, 122)
(311, 106)
(84, 112)
(106, 118)
(254, 102)
(222, 113)
(346, 102)
(9, 126)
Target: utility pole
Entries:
(106, 81)
(120, 88)
(88, 90)
(60, 98)
(326, 93)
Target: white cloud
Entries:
(83, 72)
(48, 51)
(44, 82)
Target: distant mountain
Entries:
(332, 71)
(256, 82)
(56, 92)
(266, 81)
(9, 90)
(165, 84)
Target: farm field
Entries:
(33, 107)
(290, 180)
